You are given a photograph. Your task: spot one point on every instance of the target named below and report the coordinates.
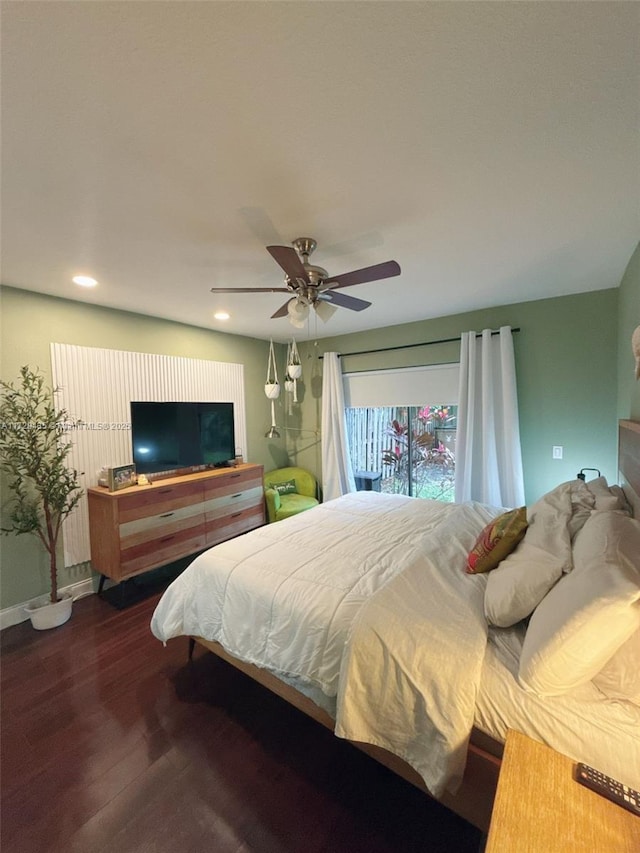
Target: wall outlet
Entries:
(557, 452)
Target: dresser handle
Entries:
(239, 495)
(233, 475)
(236, 514)
(167, 538)
(166, 515)
(164, 491)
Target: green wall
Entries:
(30, 322)
(566, 364)
(628, 319)
(573, 362)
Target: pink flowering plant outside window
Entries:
(412, 447)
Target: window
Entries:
(411, 448)
(403, 445)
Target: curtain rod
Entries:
(410, 346)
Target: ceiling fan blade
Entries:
(250, 290)
(289, 260)
(282, 311)
(344, 301)
(374, 273)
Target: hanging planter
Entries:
(294, 368)
(272, 390)
(272, 386)
(289, 384)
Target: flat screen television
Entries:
(167, 436)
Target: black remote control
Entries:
(609, 788)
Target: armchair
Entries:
(289, 491)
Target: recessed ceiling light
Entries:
(84, 280)
(221, 315)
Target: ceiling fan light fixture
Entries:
(324, 310)
(298, 311)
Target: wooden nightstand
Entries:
(540, 808)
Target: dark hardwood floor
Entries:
(112, 742)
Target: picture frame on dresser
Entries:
(122, 477)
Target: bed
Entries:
(361, 614)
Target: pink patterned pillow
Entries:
(497, 540)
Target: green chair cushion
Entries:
(293, 504)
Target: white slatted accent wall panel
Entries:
(97, 386)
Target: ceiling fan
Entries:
(312, 286)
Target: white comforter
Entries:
(424, 637)
(366, 593)
(283, 596)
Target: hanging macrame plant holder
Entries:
(294, 368)
(272, 389)
(289, 384)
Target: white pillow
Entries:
(520, 582)
(623, 503)
(608, 497)
(619, 678)
(590, 613)
(582, 502)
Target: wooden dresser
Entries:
(143, 527)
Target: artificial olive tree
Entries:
(33, 454)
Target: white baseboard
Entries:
(16, 614)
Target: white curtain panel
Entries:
(488, 457)
(337, 474)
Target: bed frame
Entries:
(474, 799)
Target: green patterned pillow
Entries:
(497, 540)
(286, 488)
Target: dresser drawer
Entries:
(232, 502)
(154, 527)
(231, 482)
(159, 499)
(220, 529)
(164, 549)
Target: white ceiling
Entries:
(490, 148)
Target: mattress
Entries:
(582, 724)
(283, 596)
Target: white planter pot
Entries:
(272, 390)
(45, 615)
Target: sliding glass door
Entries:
(407, 450)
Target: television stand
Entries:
(141, 528)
